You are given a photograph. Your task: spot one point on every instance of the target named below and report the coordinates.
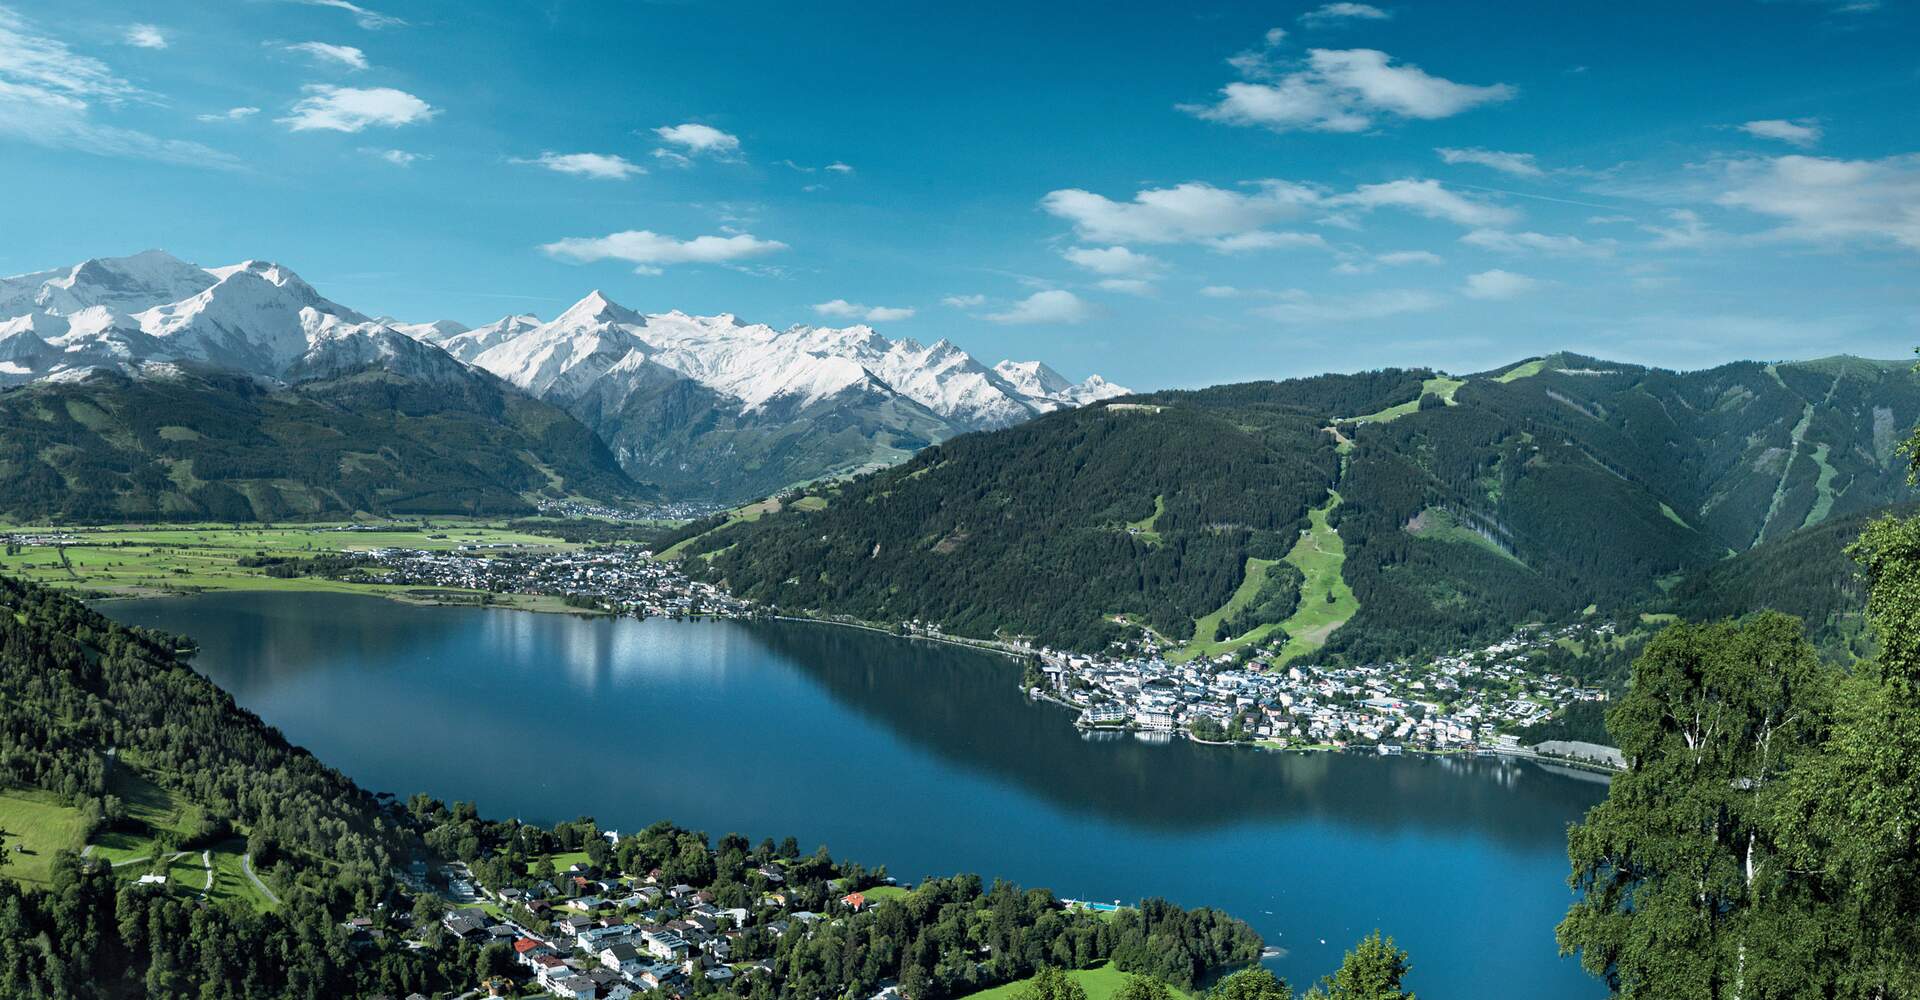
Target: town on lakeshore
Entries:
(1467, 700)
(587, 930)
(1474, 700)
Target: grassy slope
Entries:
(1441, 386)
(1319, 555)
(1203, 643)
(1440, 525)
(1101, 982)
(38, 822)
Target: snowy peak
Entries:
(472, 343)
(1037, 381)
(126, 284)
(437, 332)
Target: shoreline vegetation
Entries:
(135, 562)
(266, 844)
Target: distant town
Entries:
(1469, 699)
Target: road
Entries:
(246, 865)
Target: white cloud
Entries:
(1231, 221)
(1275, 36)
(842, 309)
(1298, 307)
(838, 167)
(351, 109)
(695, 139)
(397, 157)
(1517, 164)
(1262, 239)
(1340, 90)
(1183, 213)
(145, 36)
(599, 166)
(48, 93)
(649, 251)
(1116, 261)
(1128, 286)
(1220, 292)
(1502, 241)
(1394, 258)
(1803, 132)
(230, 115)
(339, 55)
(1497, 284)
(1328, 13)
(1825, 200)
(964, 301)
(1686, 231)
(1430, 199)
(1052, 306)
(369, 19)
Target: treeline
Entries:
(1048, 529)
(74, 684)
(1593, 483)
(1760, 843)
(222, 447)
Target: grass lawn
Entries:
(1441, 525)
(1326, 602)
(1440, 386)
(151, 810)
(37, 821)
(880, 893)
(230, 882)
(1526, 369)
(149, 560)
(1101, 982)
(1203, 643)
(1144, 528)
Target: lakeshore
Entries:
(924, 756)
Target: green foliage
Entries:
(1373, 970)
(1052, 983)
(1024, 530)
(1582, 483)
(224, 447)
(1254, 983)
(1684, 883)
(1143, 988)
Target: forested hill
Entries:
(117, 760)
(1463, 505)
(220, 446)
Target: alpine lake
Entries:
(921, 756)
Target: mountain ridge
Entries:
(708, 406)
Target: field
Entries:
(36, 821)
(1203, 643)
(1326, 602)
(1440, 386)
(751, 512)
(1144, 529)
(1101, 982)
(144, 561)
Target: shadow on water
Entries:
(965, 706)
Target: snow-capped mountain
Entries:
(761, 366)
(713, 404)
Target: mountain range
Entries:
(702, 408)
(1445, 510)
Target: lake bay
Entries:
(923, 757)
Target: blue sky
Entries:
(1168, 195)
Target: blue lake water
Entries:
(922, 757)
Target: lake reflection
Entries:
(921, 756)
